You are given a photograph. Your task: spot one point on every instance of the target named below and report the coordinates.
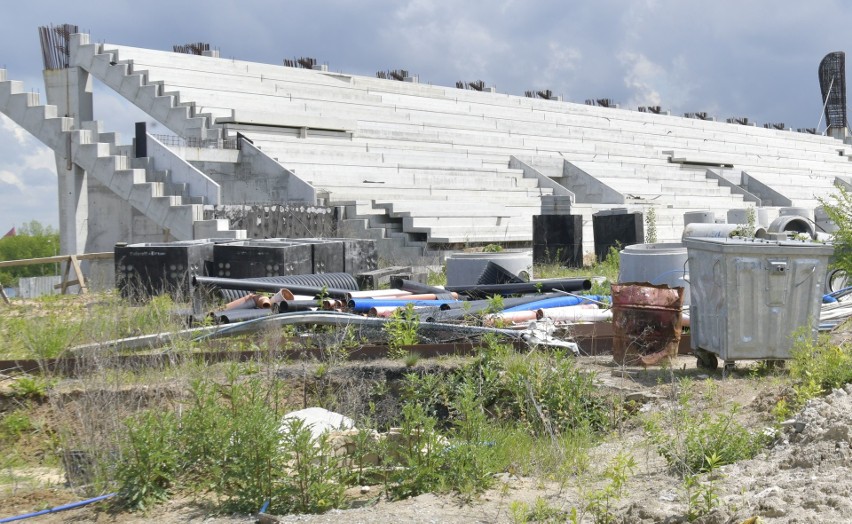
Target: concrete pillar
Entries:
(70, 90)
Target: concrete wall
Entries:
(182, 172)
(278, 221)
(259, 178)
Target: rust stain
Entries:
(647, 323)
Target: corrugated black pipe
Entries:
(269, 286)
(563, 284)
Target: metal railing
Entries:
(177, 141)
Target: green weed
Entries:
(401, 331)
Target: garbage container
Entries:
(749, 296)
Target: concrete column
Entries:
(70, 90)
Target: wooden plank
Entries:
(79, 272)
(3, 294)
(51, 260)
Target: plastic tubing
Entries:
(553, 302)
(363, 305)
(563, 284)
(56, 509)
(238, 315)
(271, 287)
(377, 293)
(574, 314)
(513, 317)
(416, 287)
(296, 305)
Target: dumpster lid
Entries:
(758, 243)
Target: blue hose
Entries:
(555, 302)
(56, 509)
(363, 305)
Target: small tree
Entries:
(839, 209)
(33, 240)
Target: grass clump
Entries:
(401, 331)
(694, 444)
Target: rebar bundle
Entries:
(195, 48)
(55, 50)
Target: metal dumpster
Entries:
(750, 295)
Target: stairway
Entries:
(145, 189)
(166, 107)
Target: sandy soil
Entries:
(804, 477)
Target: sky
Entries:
(754, 58)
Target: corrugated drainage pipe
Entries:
(229, 287)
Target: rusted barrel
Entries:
(646, 323)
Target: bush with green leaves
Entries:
(401, 330)
(149, 461)
(698, 443)
(316, 482)
(818, 366)
(838, 207)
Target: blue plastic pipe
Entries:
(555, 302)
(72, 505)
(828, 299)
(363, 305)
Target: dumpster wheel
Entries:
(705, 359)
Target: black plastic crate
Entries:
(262, 258)
(144, 270)
(558, 239)
(616, 228)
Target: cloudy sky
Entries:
(754, 58)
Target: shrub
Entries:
(839, 210)
(401, 330)
(818, 366)
(696, 444)
(150, 459)
(316, 483)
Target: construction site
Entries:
(326, 297)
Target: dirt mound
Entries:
(805, 477)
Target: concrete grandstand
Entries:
(418, 167)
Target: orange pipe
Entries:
(382, 311)
(283, 294)
(262, 302)
(513, 317)
(553, 311)
(246, 302)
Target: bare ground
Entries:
(804, 477)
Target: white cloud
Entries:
(644, 79)
(9, 178)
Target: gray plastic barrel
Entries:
(663, 263)
(464, 268)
